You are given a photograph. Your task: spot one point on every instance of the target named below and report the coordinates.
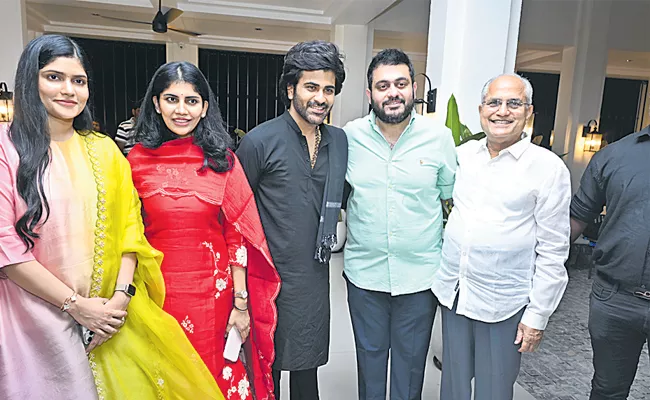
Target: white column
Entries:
(582, 80)
(13, 31)
(178, 51)
(470, 41)
(355, 42)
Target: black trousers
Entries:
(303, 385)
(619, 325)
(396, 325)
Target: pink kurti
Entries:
(41, 353)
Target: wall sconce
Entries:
(6, 104)
(431, 96)
(593, 138)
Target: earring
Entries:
(203, 116)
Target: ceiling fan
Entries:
(160, 21)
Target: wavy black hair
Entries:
(311, 56)
(210, 134)
(29, 131)
(390, 57)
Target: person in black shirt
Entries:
(618, 176)
(296, 166)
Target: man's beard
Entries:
(302, 111)
(393, 119)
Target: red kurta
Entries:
(204, 223)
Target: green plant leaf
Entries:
(476, 136)
(464, 133)
(240, 133)
(453, 119)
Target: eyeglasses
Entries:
(512, 104)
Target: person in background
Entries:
(75, 267)
(199, 211)
(401, 165)
(125, 136)
(505, 244)
(295, 165)
(617, 176)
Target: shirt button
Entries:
(464, 253)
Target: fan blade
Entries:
(172, 14)
(122, 19)
(185, 32)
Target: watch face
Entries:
(131, 290)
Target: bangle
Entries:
(68, 302)
(240, 309)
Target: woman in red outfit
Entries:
(199, 210)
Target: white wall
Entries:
(182, 52)
(548, 22)
(13, 31)
(629, 25)
(406, 16)
(553, 22)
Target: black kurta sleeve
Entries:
(251, 158)
(589, 200)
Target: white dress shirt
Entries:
(507, 237)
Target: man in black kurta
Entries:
(294, 164)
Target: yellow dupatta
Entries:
(150, 357)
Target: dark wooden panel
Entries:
(120, 73)
(245, 85)
(619, 112)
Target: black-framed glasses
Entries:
(512, 104)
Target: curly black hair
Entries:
(311, 56)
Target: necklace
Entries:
(312, 161)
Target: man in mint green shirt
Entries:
(400, 165)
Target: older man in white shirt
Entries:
(505, 245)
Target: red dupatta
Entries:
(263, 281)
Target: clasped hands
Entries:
(102, 316)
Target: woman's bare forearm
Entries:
(37, 280)
(127, 268)
(239, 278)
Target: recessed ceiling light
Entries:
(628, 60)
(259, 29)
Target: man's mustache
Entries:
(391, 99)
(314, 103)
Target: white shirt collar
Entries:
(516, 150)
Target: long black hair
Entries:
(210, 133)
(29, 131)
(311, 56)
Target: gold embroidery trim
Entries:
(100, 242)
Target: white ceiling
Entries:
(397, 23)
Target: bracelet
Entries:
(240, 309)
(68, 302)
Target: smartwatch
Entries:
(126, 288)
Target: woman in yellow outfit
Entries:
(74, 261)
